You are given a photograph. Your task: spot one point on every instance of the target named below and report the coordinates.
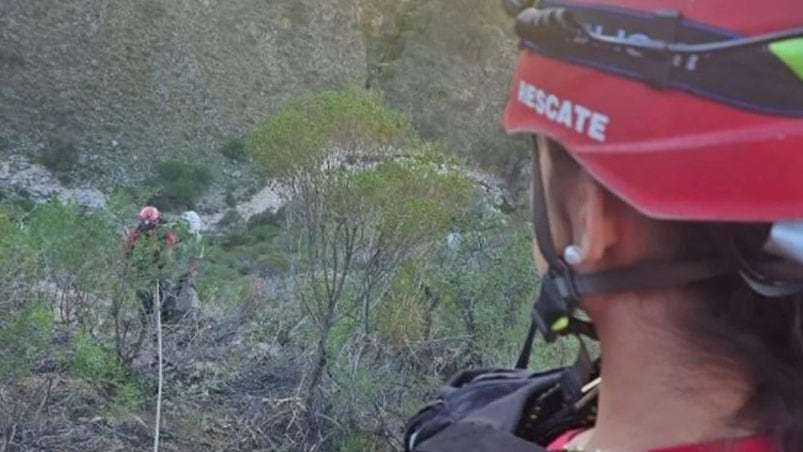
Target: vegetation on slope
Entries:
(323, 325)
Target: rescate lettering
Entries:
(573, 116)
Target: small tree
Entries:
(316, 133)
(356, 214)
(79, 255)
(485, 281)
(60, 272)
(408, 205)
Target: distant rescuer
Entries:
(189, 257)
(668, 208)
(150, 248)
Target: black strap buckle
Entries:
(555, 305)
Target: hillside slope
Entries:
(123, 84)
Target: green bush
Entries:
(61, 154)
(19, 200)
(11, 57)
(181, 184)
(218, 280)
(486, 284)
(413, 198)
(23, 336)
(299, 137)
(65, 178)
(80, 259)
(401, 318)
(230, 218)
(235, 150)
(298, 12)
(252, 248)
(273, 263)
(68, 238)
(230, 200)
(267, 218)
(99, 367)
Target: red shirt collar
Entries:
(749, 444)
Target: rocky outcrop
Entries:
(34, 181)
(19, 175)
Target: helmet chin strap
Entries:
(562, 289)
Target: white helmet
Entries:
(193, 220)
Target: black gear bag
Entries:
(505, 409)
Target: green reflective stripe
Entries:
(560, 324)
(790, 51)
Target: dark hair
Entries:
(737, 331)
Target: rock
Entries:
(454, 240)
(18, 173)
(87, 198)
(493, 186)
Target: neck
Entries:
(652, 395)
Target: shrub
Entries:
(252, 248)
(65, 178)
(235, 150)
(402, 317)
(267, 218)
(230, 218)
(485, 284)
(81, 255)
(230, 200)
(73, 241)
(25, 204)
(22, 200)
(269, 264)
(99, 367)
(61, 154)
(300, 136)
(181, 184)
(23, 336)
(11, 57)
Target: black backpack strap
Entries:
(470, 437)
(577, 375)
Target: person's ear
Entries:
(593, 216)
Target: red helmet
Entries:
(686, 109)
(149, 215)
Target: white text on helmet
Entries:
(574, 116)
